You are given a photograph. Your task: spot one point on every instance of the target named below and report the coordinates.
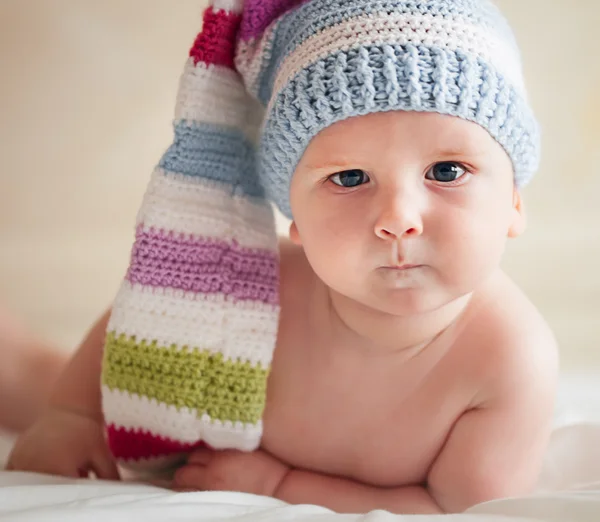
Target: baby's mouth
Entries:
(405, 266)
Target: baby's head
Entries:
(375, 195)
(397, 134)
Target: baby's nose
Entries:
(399, 217)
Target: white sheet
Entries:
(25, 497)
(569, 488)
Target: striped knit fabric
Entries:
(193, 328)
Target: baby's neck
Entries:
(376, 333)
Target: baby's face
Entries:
(404, 211)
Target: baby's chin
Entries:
(407, 302)
(404, 298)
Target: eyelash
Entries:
(331, 176)
(459, 181)
(468, 171)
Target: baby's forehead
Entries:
(401, 129)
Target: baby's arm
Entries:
(29, 367)
(348, 496)
(68, 438)
(78, 389)
(260, 473)
(496, 449)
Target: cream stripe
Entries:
(239, 330)
(131, 411)
(251, 55)
(215, 94)
(232, 6)
(196, 206)
(401, 29)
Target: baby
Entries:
(378, 358)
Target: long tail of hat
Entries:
(193, 327)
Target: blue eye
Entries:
(350, 178)
(445, 172)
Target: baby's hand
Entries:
(64, 443)
(229, 470)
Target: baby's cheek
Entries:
(334, 256)
(328, 257)
(479, 251)
(328, 235)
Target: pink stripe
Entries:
(127, 444)
(204, 266)
(216, 43)
(259, 14)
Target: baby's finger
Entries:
(190, 478)
(105, 467)
(200, 456)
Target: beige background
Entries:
(87, 94)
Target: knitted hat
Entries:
(193, 328)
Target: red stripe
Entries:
(137, 444)
(216, 43)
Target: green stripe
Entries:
(183, 377)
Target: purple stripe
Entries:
(204, 266)
(259, 14)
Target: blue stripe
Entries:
(296, 26)
(393, 77)
(214, 153)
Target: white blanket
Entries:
(26, 497)
(569, 489)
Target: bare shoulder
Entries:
(496, 447)
(295, 270)
(296, 296)
(297, 281)
(517, 353)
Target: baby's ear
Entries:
(518, 222)
(294, 234)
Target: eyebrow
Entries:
(329, 165)
(443, 152)
(454, 152)
(472, 152)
